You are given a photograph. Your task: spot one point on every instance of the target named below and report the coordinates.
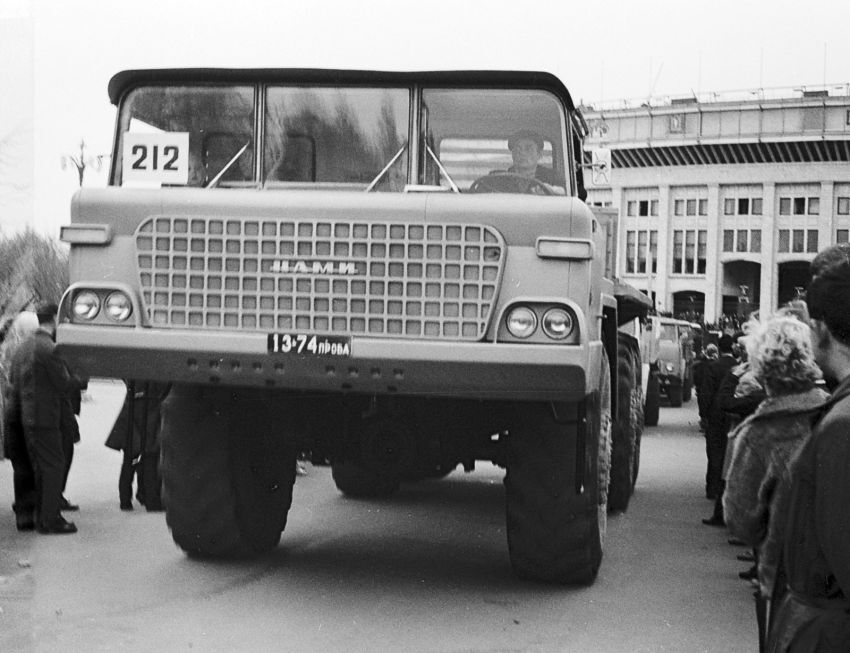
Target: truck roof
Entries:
(125, 80)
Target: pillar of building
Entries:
(662, 224)
(769, 288)
(713, 267)
(826, 225)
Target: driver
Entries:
(526, 148)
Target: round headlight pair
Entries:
(557, 322)
(87, 305)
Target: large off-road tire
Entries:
(227, 471)
(653, 400)
(354, 480)
(674, 393)
(555, 522)
(624, 429)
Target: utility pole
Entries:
(82, 161)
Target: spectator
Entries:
(701, 363)
(70, 430)
(738, 396)
(814, 614)
(143, 461)
(717, 425)
(756, 497)
(39, 384)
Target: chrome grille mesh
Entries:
(401, 280)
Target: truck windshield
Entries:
(493, 140)
(338, 137)
(186, 136)
(469, 139)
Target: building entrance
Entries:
(793, 279)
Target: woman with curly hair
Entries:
(758, 480)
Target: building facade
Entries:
(723, 200)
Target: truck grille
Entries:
(399, 280)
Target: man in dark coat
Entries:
(717, 423)
(40, 384)
(815, 613)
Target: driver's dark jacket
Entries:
(544, 174)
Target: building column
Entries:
(769, 288)
(826, 223)
(662, 274)
(713, 267)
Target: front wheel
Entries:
(555, 521)
(227, 474)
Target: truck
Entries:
(670, 343)
(348, 263)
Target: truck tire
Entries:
(653, 398)
(674, 393)
(623, 430)
(688, 390)
(354, 480)
(556, 530)
(227, 474)
(637, 408)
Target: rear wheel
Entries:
(653, 397)
(555, 524)
(624, 429)
(227, 473)
(355, 480)
(674, 393)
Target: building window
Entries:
(784, 241)
(799, 206)
(842, 236)
(742, 241)
(755, 206)
(640, 247)
(689, 251)
(653, 207)
(812, 241)
(703, 207)
(643, 207)
(729, 206)
(631, 208)
(843, 206)
(743, 206)
(728, 240)
(814, 206)
(798, 240)
(678, 207)
(755, 240)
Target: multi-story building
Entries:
(724, 200)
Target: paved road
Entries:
(426, 571)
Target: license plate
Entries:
(309, 345)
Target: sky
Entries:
(57, 56)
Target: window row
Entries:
(742, 206)
(799, 205)
(742, 240)
(642, 207)
(798, 241)
(690, 207)
(641, 246)
(689, 251)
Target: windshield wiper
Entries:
(214, 181)
(383, 171)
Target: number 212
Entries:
(141, 152)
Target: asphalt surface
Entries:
(427, 570)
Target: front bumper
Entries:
(524, 372)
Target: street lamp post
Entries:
(82, 161)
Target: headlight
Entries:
(669, 367)
(118, 306)
(86, 305)
(557, 323)
(521, 322)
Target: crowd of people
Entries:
(776, 420)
